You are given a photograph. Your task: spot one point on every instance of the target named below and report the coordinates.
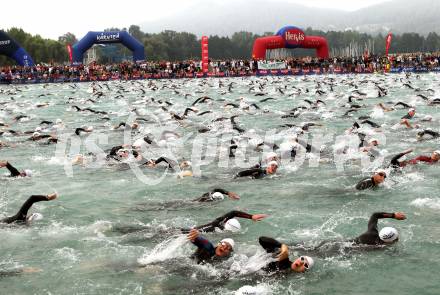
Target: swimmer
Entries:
(387, 235)
(431, 133)
(227, 222)
(21, 216)
(14, 171)
(301, 264)
(372, 182)
(206, 252)
(216, 194)
(434, 158)
(259, 172)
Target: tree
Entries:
(67, 38)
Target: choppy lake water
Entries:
(108, 232)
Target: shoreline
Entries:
(259, 73)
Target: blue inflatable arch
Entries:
(11, 49)
(91, 38)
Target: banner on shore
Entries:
(69, 50)
(205, 55)
(388, 43)
(272, 65)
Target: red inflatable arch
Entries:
(290, 37)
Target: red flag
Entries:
(69, 49)
(388, 43)
(205, 56)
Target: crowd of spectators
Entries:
(192, 69)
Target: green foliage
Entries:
(176, 46)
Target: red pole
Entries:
(205, 56)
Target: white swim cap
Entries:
(186, 164)
(38, 129)
(59, 121)
(272, 163)
(427, 118)
(233, 225)
(28, 172)
(217, 196)
(35, 134)
(247, 290)
(271, 155)
(388, 234)
(437, 152)
(35, 217)
(229, 241)
(412, 110)
(310, 261)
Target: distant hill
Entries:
(261, 16)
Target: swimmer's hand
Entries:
(193, 234)
(258, 217)
(399, 216)
(233, 196)
(3, 164)
(52, 196)
(284, 253)
(408, 151)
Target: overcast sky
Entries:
(52, 18)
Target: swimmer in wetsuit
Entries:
(227, 222)
(21, 216)
(14, 171)
(206, 251)
(301, 264)
(216, 194)
(395, 163)
(372, 182)
(259, 172)
(386, 236)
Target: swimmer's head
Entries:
(389, 235)
(412, 112)
(134, 125)
(123, 153)
(217, 196)
(59, 121)
(271, 156)
(302, 264)
(36, 134)
(34, 217)
(435, 155)
(27, 173)
(225, 247)
(185, 164)
(379, 176)
(233, 225)
(272, 167)
(374, 141)
(427, 118)
(38, 129)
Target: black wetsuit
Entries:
(13, 170)
(22, 213)
(254, 173)
(366, 184)
(429, 132)
(207, 197)
(273, 246)
(371, 236)
(205, 250)
(220, 222)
